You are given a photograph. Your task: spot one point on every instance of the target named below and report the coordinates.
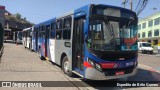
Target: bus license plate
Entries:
(120, 73)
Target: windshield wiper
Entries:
(109, 26)
(110, 29)
(130, 21)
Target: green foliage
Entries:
(18, 16)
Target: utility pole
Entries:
(124, 3)
(131, 4)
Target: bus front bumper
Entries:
(94, 74)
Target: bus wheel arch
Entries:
(61, 60)
(65, 65)
(29, 46)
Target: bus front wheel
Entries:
(66, 67)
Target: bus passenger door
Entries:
(47, 41)
(26, 35)
(78, 44)
(36, 39)
(31, 39)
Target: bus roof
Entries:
(46, 22)
(82, 9)
(27, 29)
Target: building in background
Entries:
(149, 29)
(2, 18)
(13, 24)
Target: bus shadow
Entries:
(145, 75)
(9, 41)
(12, 42)
(142, 75)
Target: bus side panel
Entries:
(60, 49)
(59, 44)
(42, 46)
(52, 49)
(34, 41)
(39, 44)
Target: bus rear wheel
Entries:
(66, 67)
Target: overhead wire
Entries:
(142, 7)
(138, 4)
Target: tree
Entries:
(18, 16)
(25, 18)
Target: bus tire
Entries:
(65, 67)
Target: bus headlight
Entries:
(94, 64)
(91, 62)
(98, 67)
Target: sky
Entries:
(37, 11)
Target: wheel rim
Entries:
(66, 66)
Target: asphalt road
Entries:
(150, 60)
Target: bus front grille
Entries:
(112, 72)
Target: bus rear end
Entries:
(110, 43)
(19, 37)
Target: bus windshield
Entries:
(20, 35)
(111, 35)
(146, 44)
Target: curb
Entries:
(158, 55)
(1, 52)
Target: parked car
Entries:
(145, 47)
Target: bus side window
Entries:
(52, 32)
(58, 34)
(67, 28)
(59, 29)
(43, 31)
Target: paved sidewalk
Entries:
(20, 64)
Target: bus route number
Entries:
(129, 64)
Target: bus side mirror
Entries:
(88, 40)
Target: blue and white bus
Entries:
(43, 38)
(17, 37)
(97, 42)
(27, 37)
